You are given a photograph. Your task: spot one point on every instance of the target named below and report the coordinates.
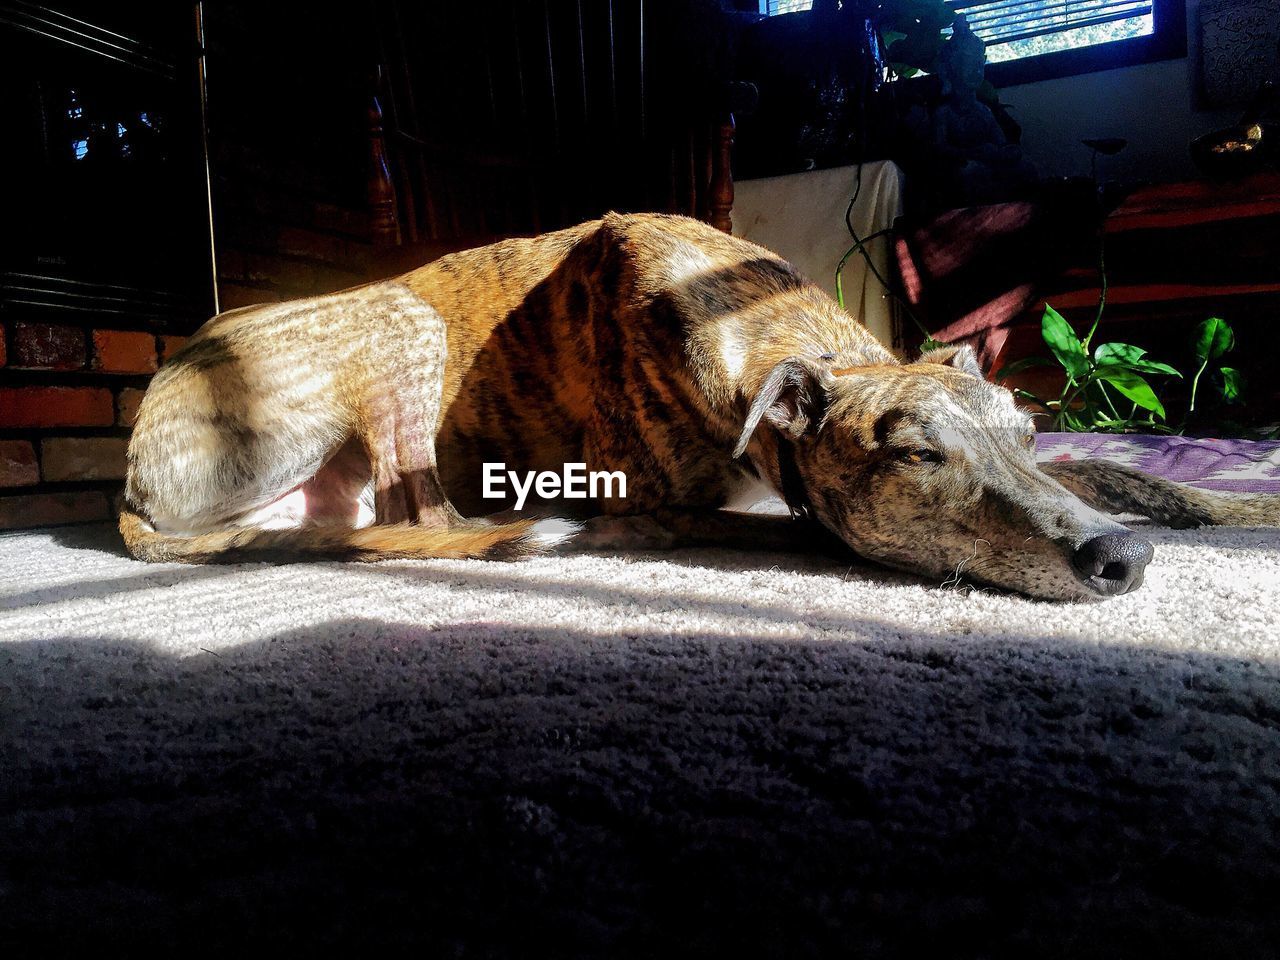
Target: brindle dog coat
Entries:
(357, 424)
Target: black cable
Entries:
(859, 245)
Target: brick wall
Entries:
(68, 396)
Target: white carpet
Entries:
(650, 755)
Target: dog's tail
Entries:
(1113, 488)
(482, 541)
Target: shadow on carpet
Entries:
(478, 790)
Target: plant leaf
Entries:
(1151, 366)
(1011, 368)
(1133, 387)
(1073, 423)
(1143, 366)
(1117, 353)
(1213, 338)
(1233, 384)
(1064, 343)
(1129, 356)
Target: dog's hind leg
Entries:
(397, 418)
(251, 443)
(1113, 488)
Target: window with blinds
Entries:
(1027, 28)
(775, 7)
(1014, 29)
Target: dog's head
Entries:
(930, 468)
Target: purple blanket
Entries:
(1244, 466)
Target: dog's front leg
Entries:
(672, 528)
(1114, 488)
(399, 416)
(406, 483)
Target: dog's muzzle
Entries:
(1113, 563)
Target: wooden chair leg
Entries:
(721, 187)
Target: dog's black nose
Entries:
(1113, 563)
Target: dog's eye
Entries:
(1029, 441)
(922, 455)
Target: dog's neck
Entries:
(790, 482)
(773, 455)
(772, 458)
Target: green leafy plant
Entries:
(913, 35)
(912, 32)
(1214, 338)
(1106, 387)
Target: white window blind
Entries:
(1014, 29)
(1025, 28)
(775, 7)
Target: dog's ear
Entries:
(792, 398)
(959, 356)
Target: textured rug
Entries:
(686, 754)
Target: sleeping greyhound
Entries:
(700, 366)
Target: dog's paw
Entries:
(624, 533)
